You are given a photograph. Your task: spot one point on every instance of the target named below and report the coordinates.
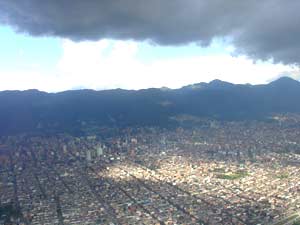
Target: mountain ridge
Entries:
(32, 110)
(216, 83)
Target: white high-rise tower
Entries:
(88, 155)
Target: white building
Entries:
(88, 155)
(99, 151)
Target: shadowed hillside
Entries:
(32, 110)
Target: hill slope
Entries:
(22, 111)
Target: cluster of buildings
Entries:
(229, 173)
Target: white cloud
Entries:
(110, 64)
(114, 64)
(29, 79)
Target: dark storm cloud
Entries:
(261, 28)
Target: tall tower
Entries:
(99, 151)
(65, 148)
(88, 155)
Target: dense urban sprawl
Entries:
(224, 173)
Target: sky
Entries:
(135, 44)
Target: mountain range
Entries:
(33, 110)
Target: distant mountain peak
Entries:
(214, 84)
(219, 84)
(285, 81)
(164, 89)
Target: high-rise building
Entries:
(65, 148)
(99, 151)
(88, 155)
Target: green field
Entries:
(282, 176)
(232, 176)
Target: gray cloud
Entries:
(262, 29)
